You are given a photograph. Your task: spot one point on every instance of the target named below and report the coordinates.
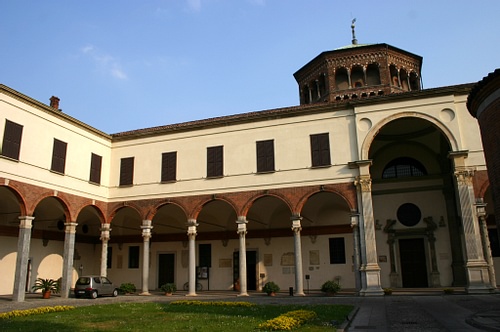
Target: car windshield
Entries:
(83, 281)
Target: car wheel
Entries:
(115, 293)
(93, 295)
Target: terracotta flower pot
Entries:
(46, 294)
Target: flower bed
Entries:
(288, 321)
(36, 311)
(213, 303)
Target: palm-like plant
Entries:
(46, 286)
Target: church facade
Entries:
(371, 181)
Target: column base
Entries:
(299, 294)
(192, 294)
(145, 293)
(478, 278)
(243, 294)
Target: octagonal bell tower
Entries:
(358, 71)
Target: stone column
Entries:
(299, 274)
(105, 229)
(357, 258)
(69, 251)
(146, 236)
(370, 270)
(481, 214)
(192, 256)
(476, 269)
(23, 251)
(242, 231)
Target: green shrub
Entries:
(270, 287)
(168, 288)
(330, 287)
(127, 288)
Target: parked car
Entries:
(94, 286)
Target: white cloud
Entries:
(105, 62)
(194, 5)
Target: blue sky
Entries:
(123, 65)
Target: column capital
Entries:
(242, 228)
(464, 175)
(296, 226)
(105, 229)
(354, 220)
(26, 222)
(364, 182)
(70, 227)
(146, 229)
(242, 220)
(191, 224)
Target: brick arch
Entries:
(368, 140)
(100, 214)
(115, 210)
(252, 199)
(196, 211)
(67, 212)
(154, 209)
(351, 204)
(19, 197)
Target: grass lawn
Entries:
(169, 317)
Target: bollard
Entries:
(290, 291)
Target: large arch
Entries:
(415, 212)
(374, 131)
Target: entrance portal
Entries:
(166, 269)
(413, 263)
(251, 269)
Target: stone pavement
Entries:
(403, 311)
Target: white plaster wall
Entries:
(8, 256)
(292, 157)
(431, 204)
(39, 130)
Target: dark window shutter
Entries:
(11, 145)
(59, 156)
(215, 161)
(169, 166)
(127, 171)
(265, 156)
(320, 150)
(95, 168)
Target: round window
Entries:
(409, 214)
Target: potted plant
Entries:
(168, 288)
(47, 286)
(330, 287)
(387, 291)
(271, 288)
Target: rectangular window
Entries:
(214, 161)
(337, 250)
(133, 257)
(205, 255)
(127, 171)
(109, 261)
(265, 156)
(59, 156)
(168, 166)
(12, 140)
(95, 168)
(320, 150)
